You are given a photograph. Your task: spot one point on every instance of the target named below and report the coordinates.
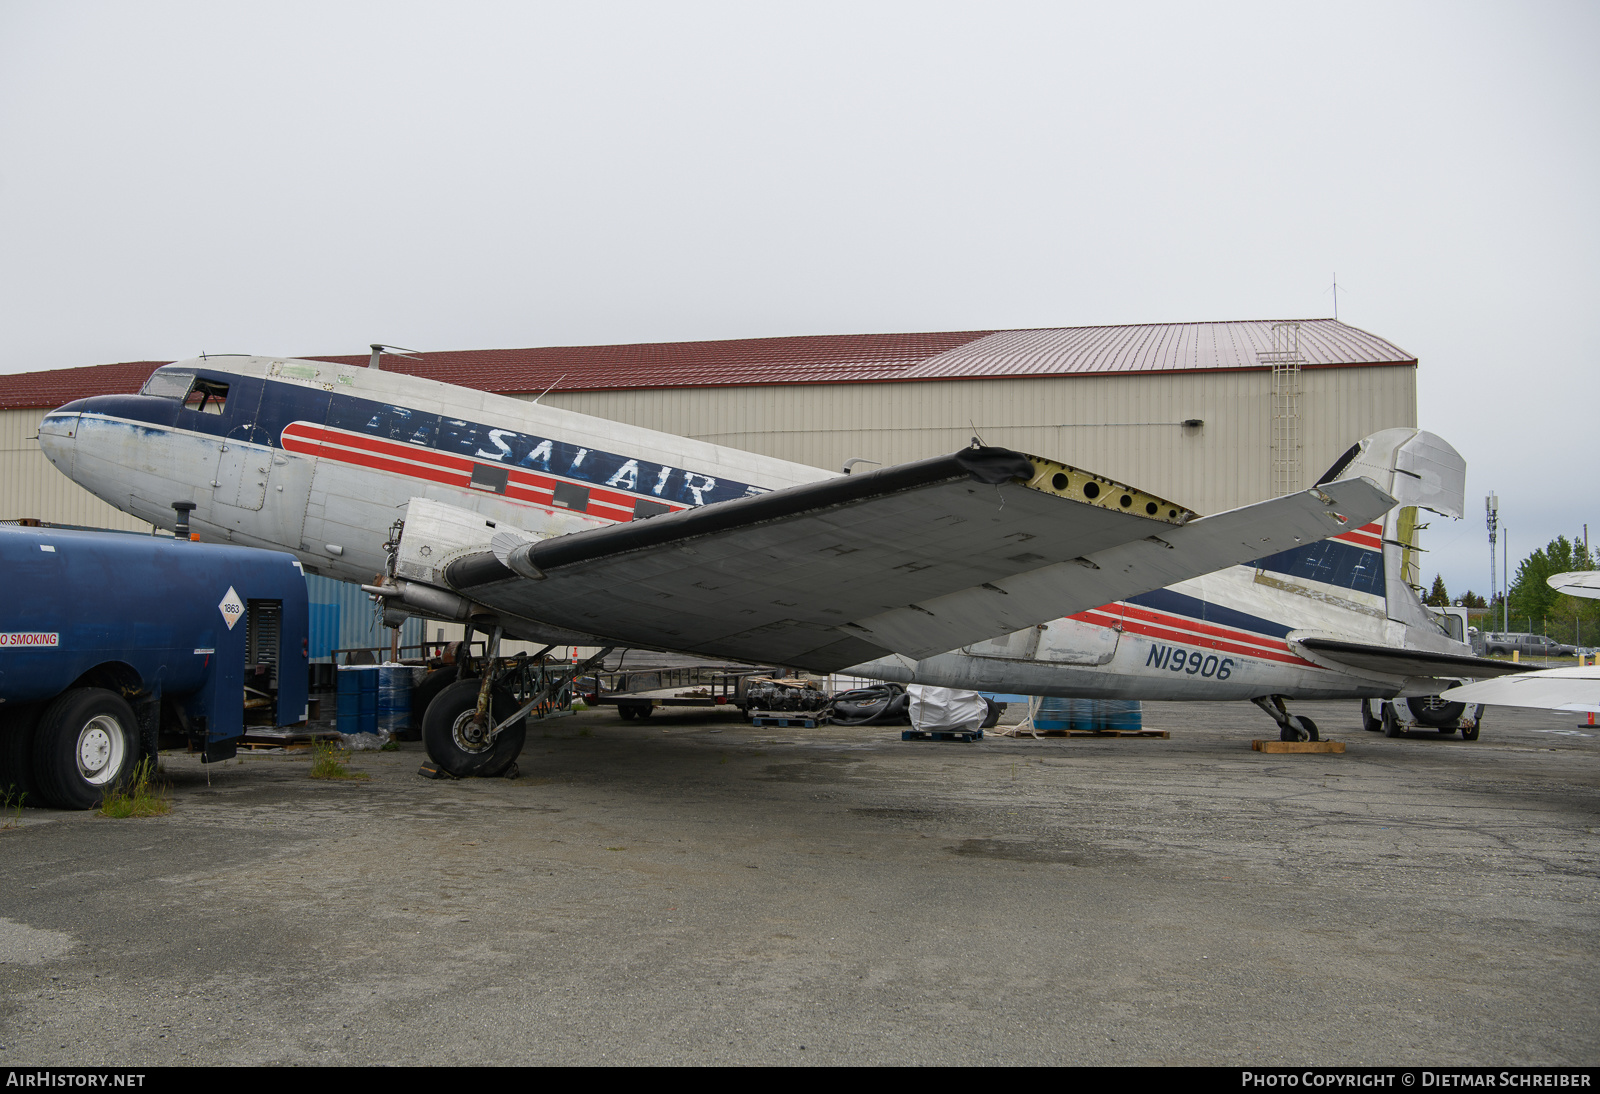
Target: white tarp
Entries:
(945, 709)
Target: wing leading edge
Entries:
(915, 559)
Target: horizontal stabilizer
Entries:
(1388, 661)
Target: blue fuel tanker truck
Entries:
(113, 645)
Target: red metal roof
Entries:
(62, 385)
(815, 359)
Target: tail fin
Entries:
(1422, 471)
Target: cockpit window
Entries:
(207, 396)
(168, 384)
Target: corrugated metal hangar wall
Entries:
(1110, 400)
(1127, 428)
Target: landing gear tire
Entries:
(87, 744)
(1368, 722)
(456, 745)
(1300, 728)
(1391, 722)
(422, 696)
(16, 753)
(1433, 711)
(1469, 730)
(636, 710)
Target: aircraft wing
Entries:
(1576, 583)
(1389, 661)
(914, 559)
(1556, 689)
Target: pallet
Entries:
(941, 735)
(289, 742)
(1297, 746)
(1154, 734)
(798, 719)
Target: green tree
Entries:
(1470, 599)
(1535, 605)
(1437, 597)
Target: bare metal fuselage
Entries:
(321, 459)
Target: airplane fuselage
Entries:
(321, 459)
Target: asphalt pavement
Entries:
(691, 889)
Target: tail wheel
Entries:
(456, 743)
(1433, 711)
(86, 745)
(1299, 728)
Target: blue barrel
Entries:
(394, 698)
(1056, 713)
(1119, 714)
(358, 699)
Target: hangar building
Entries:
(1198, 413)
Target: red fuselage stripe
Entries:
(414, 461)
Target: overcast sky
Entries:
(307, 178)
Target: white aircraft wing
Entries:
(1577, 583)
(1555, 689)
(914, 559)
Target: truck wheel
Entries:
(87, 744)
(452, 740)
(17, 728)
(1391, 721)
(1433, 711)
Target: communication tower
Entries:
(1492, 505)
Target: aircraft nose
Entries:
(58, 434)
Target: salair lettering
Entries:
(508, 447)
(1192, 662)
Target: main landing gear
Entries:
(1427, 712)
(1291, 727)
(474, 725)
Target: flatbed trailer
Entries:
(716, 688)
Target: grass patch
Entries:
(11, 807)
(391, 745)
(329, 761)
(138, 797)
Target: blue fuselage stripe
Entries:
(257, 413)
(1192, 607)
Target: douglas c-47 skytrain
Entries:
(537, 523)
